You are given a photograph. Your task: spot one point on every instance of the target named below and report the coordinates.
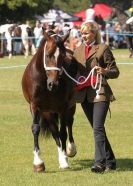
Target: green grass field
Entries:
(16, 141)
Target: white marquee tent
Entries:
(57, 15)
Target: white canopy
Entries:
(57, 15)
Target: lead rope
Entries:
(91, 74)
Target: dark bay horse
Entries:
(48, 91)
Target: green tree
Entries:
(21, 10)
(72, 6)
(121, 4)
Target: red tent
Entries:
(81, 14)
(103, 10)
(100, 9)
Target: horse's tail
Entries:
(46, 124)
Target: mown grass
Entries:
(16, 141)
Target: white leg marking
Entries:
(71, 149)
(63, 159)
(37, 159)
(10, 55)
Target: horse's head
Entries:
(54, 56)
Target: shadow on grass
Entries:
(125, 164)
(122, 164)
(79, 165)
(76, 165)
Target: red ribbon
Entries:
(86, 84)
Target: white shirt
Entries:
(38, 32)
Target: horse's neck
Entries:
(39, 57)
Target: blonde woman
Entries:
(91, 53)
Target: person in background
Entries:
(17, 44)
(66, 28)
(38, 33)
(91, 53)
(8, 36)
(129, 25)
(75, 38)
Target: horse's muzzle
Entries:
(52, 85)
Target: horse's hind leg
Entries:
(71, 147)
(38, 163)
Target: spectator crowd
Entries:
(26, 38)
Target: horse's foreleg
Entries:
(38, 163)
(71, 147)
(63, 160)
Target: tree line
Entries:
(21, 10)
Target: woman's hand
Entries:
(101, 70)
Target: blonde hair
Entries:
(94, 28)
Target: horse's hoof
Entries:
(71, 150)
(39, 168)
(64, 167)
(71, 155)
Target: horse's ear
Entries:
(66, 36)
(46, 36)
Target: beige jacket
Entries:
(102, 56)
